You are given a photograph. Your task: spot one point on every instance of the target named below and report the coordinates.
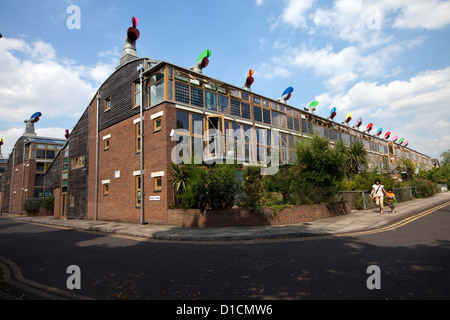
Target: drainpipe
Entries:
(11, 186)
(140, 68)
(96, 159)
(23, 175)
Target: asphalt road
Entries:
(413, 261)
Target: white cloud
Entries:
(415, 109)
(294, 12)
(259, 3)
(426, 14)
(33, 78)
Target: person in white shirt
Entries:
(378, 193)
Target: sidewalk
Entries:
(354, 222)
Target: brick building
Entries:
(116, 163)
(23, 175)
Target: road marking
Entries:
(46, 225)
(396, 225)
(32, 286)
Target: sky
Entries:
(385, 61)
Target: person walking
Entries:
(378, 193)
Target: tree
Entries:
(179, 179)
(445, 158)
(318, 171)
(356, 157)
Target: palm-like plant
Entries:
(179, 178)
(356, 157)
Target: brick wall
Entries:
(245, 217)
(119, 204)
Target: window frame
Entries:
(135, 93)
(106, 189)
(158, 188)
(107, 104)
(138, 191)
(157, 128)
(138, 137)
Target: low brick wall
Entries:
(246, 217)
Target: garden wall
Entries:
(246, 217)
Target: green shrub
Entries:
(253, 187)
(212, 188)
(32, 206)
(48, 204)
(424, 188)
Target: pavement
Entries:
(356, 221)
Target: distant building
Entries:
(23, 175)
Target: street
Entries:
(413, 261)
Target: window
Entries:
(105, 189)
(157, 124)
(72, 200)
(257, 113)
(296, 124)
(235, 107)
(39, 186)
(65, 168)
(156, 90)
(290, 123)
(78, 162)
(211, 101)
(275, 121)
(182, 120)
(181, 92)
(158, 184)
(246, 110)
(138, 137)
(223, 104)
(137, 94)
(138, 198)
(266, 116)
(40, 167)
(197, 97)
(106, 143)
(43, 151)
(107, 104)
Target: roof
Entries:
(47, 140)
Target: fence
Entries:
(361, 200)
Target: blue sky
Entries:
(385, 61)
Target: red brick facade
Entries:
(119, 165)
(244, 217)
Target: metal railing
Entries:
(362, 200)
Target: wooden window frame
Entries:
(106, 144)
(137, 133)
(105, 189)
(135, 93)
(138, 188)
(107, 104)
(157, 128)
(78, 162)
(158, 188)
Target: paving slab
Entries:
(356, 221)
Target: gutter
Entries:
(96, 159)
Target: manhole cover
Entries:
(248, 263)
